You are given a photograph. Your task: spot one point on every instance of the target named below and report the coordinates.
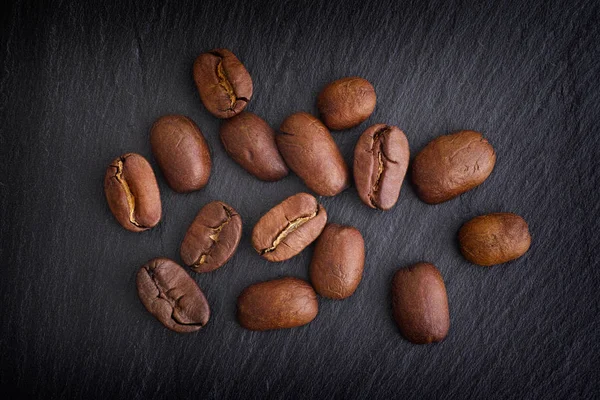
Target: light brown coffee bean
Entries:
(494, 238)
(346, 102)
(337, 265)
(420, 303)
(172, 296)
(380, 162)
(181, 152)
(286, 229)
(224, 84)
(212, 238)
(309, 150)
(132, 192)
(250, 141)
(280, 303)
(451, 165)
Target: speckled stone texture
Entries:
(83, 82)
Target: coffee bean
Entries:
(337, 264)
(420, 303)
(380, 161)
(132, 192)
(309, 150)
(181, 152)
(250, 141)
(451, 165)
(286, 229)
(212, 238)
(346, 102)
(494, 238)
(280, 303)
(224, 84)
(172, 296)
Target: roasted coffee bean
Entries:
(172, 296)
(224, 85)
(250, 141)
(181, 152)
(280, 303)
(346, 102)
(212, 238)
(309, 150)
(338, 261)
(494, 238)
(380, 161)
(420, 303)
(286, 229)
(132, 192)
(451, 165)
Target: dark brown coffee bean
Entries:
(224, 85)
(420, 303)
(346, 102)
(181, 152)
(451, 165)
(309, 150)
(494, 238)
(380, 161)
(286, 229)
(280, 303)
(212, 238)
(338, 261)
(250, 141)
(172, 296)
(132, 192)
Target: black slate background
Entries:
(82, 83)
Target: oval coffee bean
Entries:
(420, 303)
(494, 238)
(380, 161)
(224, 84)
(132, 192)
(250, 141)
(309, 150)
(451, 165)
(286, 229)
(280, 303)
(338, 261)
(346, 102)
(181, 152)
(212, 238)
(172, 296)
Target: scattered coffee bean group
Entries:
(447, 167)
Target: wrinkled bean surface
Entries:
(172, 296)
(212, 238)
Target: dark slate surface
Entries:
(82, 83)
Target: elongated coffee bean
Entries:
(309, 150)
(420, 303)
(132, 192)
(346, 102)
(181, 152)
(280, 303)
(224, 84)
(451, 165)
(212, 238)
(494, 238)
(286, 229)
(250, 141)
(380, 162)
(337, 265)
(172, 296)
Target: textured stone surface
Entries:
(81, 84)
